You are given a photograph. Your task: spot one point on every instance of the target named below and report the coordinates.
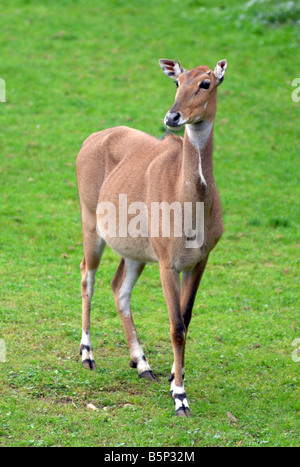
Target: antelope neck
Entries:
(198, 151)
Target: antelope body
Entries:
(122, 160)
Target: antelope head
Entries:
(196, 96)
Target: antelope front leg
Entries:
(171, 289)
(189, 286)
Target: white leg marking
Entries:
(137, 354)
(127, 286)
(90, 279)
(86, 349)
(178, 393)
(86, 339)
(177, 389)
(181, 404)
(179, 396)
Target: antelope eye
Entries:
(205, 84)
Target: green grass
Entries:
(72, 68)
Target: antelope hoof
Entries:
(183, 412)
(88, 361)
(149, 375)
(181, 404)
(89, 364)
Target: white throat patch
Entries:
(198, 135)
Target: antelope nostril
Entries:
(172, 119)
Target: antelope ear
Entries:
(171, 68)
(219, 71)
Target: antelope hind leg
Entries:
(122, 285)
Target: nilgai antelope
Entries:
(145, 170)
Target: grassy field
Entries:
(72, 68)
